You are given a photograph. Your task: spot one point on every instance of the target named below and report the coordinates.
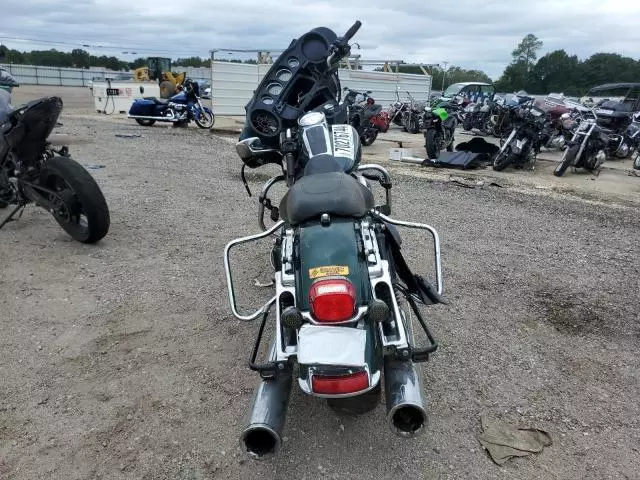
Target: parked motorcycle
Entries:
(342, 288)
(523, 144)
(179, 109)
(439, 127)
(361, 115)
(477, 116)
(411, 115)
(587, 148)
(33, 171)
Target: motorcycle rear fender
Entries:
(323, 250)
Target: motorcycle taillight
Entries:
(340, 384)
(332, 300)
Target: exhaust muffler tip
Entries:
(260, 441)
(407, 420)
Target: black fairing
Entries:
(311, 85)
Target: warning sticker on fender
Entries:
(329, 271)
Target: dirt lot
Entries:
(122, 360)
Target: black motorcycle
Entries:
(342, 289)
(588, 149)
(33, 171)
(411, 115)
(439, 125)
(477, 116)
(360, 114)
(522, 146)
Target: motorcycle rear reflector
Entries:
(332, 300)
(340, 384)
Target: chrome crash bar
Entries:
(227, 268)
(434, 234)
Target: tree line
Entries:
(559, 72)
(556, 71)
(79, 58)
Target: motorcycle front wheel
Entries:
(502, 161)
(80, 207)
(567, 162)
(204, 119)
(368, 136)
(432, 144)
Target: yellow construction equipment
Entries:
(159, 68)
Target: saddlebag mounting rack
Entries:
(417, 354)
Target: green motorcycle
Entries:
(343, 291)
(439, 126)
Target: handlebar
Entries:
(341, 46)
(352, 31)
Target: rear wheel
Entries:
(636, 162)
(467, 124)
(81, 209)
(567, 162)
(145, 122)
(357, 405)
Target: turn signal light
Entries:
(332, 300)
(340, 384)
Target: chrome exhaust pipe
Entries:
(262, 437)
(406, 411)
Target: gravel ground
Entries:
(122, 360)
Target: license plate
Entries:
(536, 113)
(113, 92)
(604, 111)
(520, 143)
(335, 346)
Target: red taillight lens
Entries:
(337, 385)
(332, 300)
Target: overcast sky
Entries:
(470, 33)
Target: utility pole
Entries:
(444, 73)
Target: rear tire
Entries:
(84, 195)
(467, 124)
(636, 162)
(145, 122)
(357, 405)
(567, 162)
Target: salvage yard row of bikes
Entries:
(344, 317)
(588, 135)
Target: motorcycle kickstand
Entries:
(10, 218)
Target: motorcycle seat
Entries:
(335, 193)
(374, 110)
(157, 101)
